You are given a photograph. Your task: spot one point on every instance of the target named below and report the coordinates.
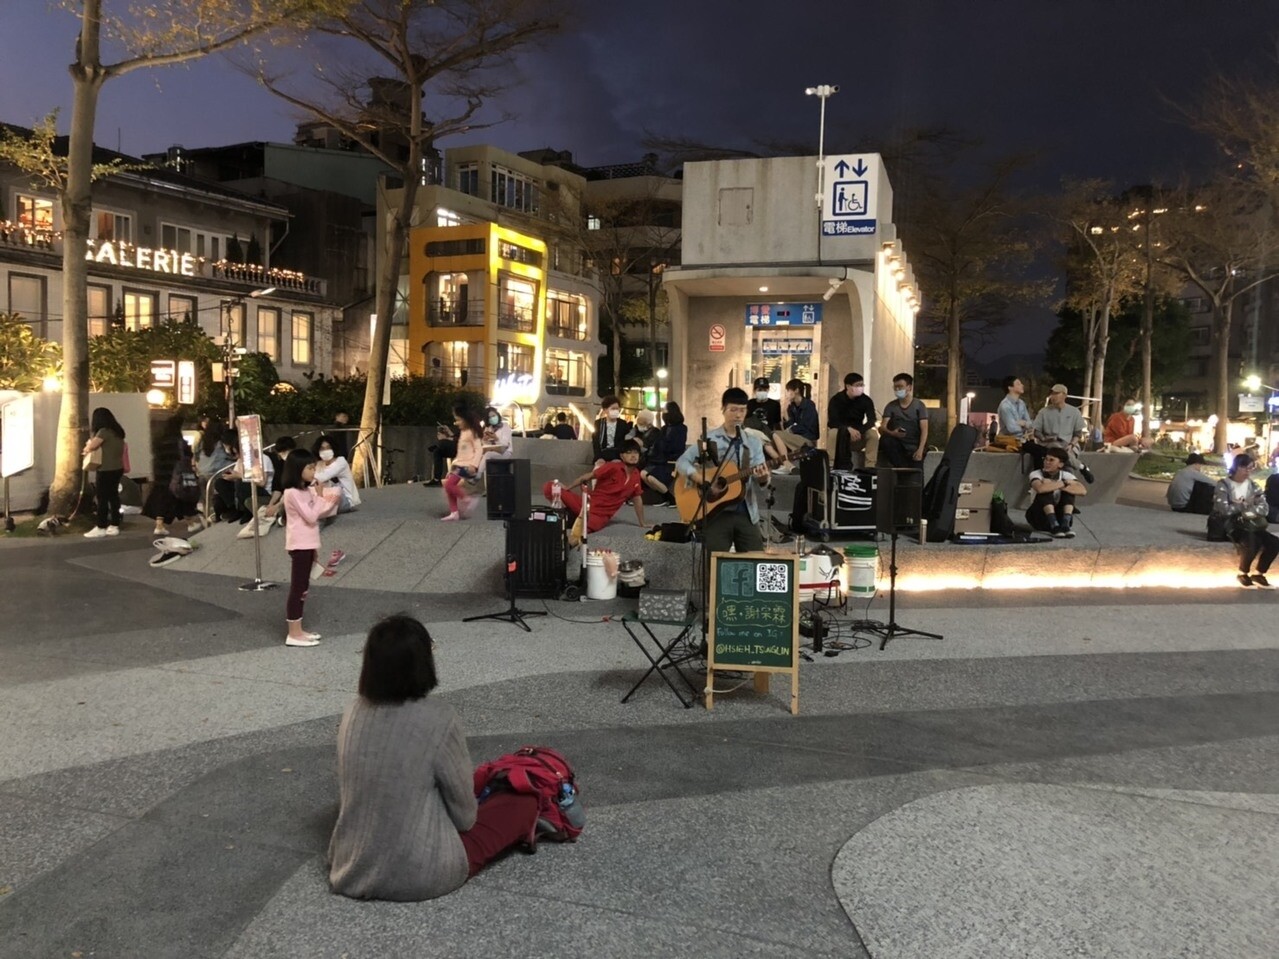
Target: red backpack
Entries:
(542, 772)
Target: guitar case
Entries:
(941, 493)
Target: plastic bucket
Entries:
(863, 570)
(599, 585)
(818, 577)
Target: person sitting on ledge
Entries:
(409, 827)
(1121, 429)
(614, 484)
(799, 429)
(1191, 490)
(563, 428)
(1055, 490)
(1243, 508)
(1062, 426)
(1014, 418)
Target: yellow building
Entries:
(478, 308)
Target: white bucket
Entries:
(863, 570)
(599, 585)
(818, 578)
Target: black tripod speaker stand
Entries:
(512, 614)
(886, 522)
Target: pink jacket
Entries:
(303, 509)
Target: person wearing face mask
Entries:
(610, 431)
(1121, 429)
(335, 470)
(763, 415)
(496, 440)
(801, 425)
(852, 413)
(904, 431)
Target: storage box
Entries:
(667, 605)
(972, 520)
(975, 494)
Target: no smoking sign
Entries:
(718, 338)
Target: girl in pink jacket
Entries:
(304, 507)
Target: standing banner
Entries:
(250, 429)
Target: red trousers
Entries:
(504, 820)
(600, 514)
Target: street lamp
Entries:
(822, 92)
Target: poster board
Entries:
(17, 435)
(250, 429)
(754, 619)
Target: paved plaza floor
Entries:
(1069, 773)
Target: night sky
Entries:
(1081, 84)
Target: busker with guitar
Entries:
(614, 484)
(731, 512)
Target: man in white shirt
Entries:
(1053, 509)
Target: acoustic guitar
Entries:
(726, 489)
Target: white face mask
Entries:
(761, 395)
(326, 455)
(614, 414)
(900, 394)
(495, 420)
(1131, 408)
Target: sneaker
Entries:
(1259, 579)
(1060, 532)
(304, 640)
(166, 559)
(468, 505)
(113, 530)
(98, 532)
(784, 469)
(1087, 474)
(450, 518)
(1244, 579)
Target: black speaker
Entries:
(509, 493)
(538, 546)
(898, 493)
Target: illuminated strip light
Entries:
(1152, 577)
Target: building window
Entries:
(513, 190)
(183, 309)
(445, 217)
(28, 297)
(196, 242)
(34, 212)
(565, 315)
(518, 254)
(514, 358)
(468, 180)
(1200, 336)
(455, 247)
(593, 223)
(99, 309)
(516, 306)
(139, 310)
(235, 323)
(115, 227)
(303, 331)
(1196, 304)
(450, 361)
(269, 332)
(567, 372)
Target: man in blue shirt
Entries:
(1014, 418)
(735, 523)
(800, 427)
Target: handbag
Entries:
(93, 459)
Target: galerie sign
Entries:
(141, 258)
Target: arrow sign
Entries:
(842, 167)
(860, 169)
(850, 195)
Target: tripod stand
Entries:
(891, 630)
(512, 614)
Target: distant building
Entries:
(167, 245)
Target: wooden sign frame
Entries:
(763, 674)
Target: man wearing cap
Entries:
(853, 415)
(1060, 425)
(1190, 490)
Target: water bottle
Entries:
(570, 807)
(557, 502)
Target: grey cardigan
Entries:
(406, 786)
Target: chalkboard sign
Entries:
(754, 619)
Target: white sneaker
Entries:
(113, 530)
(304, 640)
(97, 532)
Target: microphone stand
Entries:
(512, 614)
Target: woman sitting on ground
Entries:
(408, 825)
(1243, 508)
(336, 470)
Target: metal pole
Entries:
(258, 584)
(9, 525)
(821, 156)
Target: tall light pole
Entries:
(823, 93)
(231, 350)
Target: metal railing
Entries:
(518, 320)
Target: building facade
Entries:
(770, 285)
(166, 246)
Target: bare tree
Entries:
(397, 54)
(156, 34)
(1221, 238)
(1241, 113)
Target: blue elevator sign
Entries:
(783, 314)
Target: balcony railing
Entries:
(566, 332)
(564, 389)
(470, 315)
(521, 321)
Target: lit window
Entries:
(28, 298)
(183, 309)
(34, 213)
(99, 309)
(269, 332)
(445, 217)
(592, 223)
(139, 310)
(112, 226)
(302, 332)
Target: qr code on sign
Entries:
(772, 578)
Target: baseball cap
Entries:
(761, 383)
(1059, 388)
(1194, 458)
